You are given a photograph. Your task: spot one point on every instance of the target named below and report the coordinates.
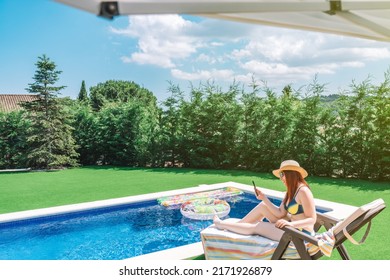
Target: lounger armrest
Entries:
(293, 232)
(324, 217)
(325, 220)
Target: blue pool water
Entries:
(111, 233)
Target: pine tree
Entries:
(50, 140)
(83, 95)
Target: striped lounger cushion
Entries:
(226, 245)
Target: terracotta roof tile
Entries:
(11, 102)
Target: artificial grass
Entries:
(32, 190)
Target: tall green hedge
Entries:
(347, 135)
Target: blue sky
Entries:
(152, 50)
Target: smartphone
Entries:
(256, 190)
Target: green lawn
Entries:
(32, 190)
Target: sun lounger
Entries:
(220, 244)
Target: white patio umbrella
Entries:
(357, 18)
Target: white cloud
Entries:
(214, 74)
(227, 51)
(283, 72)
(354, 53)
(217, 44)
(143, 58)
(277, 48)
(161, 39)
(206, 58)
(299, 56)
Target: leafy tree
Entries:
(250, 130)
(326, 150)
(50, 140)
(360, 115)
(287, 91)
(171, 125)
(125, 133)
(221, 126)
(379, 166)
(210, 125)
(83, 95)
(13, 144)
(119, 91)
(342, 137)
(306, 120)
(85, 124)
(190, 122)
(274, 138)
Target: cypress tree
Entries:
(83, 95)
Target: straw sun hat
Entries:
(290, 165)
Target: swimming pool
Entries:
(108, 233)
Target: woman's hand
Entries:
(282, 223)
(259, 194)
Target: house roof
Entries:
(11, 102)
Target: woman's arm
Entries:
(278, 212)
(305, 198)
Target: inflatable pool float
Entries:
(205, 209)
(181, 198)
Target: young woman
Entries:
(297, 208)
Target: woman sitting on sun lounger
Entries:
(297, 208)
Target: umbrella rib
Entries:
(365, 23)
(215, 6)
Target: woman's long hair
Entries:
(293, 180)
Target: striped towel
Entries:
(226, 245)
(326, 242)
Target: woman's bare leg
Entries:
(258, 213)
(252, 223)
(261, 228)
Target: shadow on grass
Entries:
(13, 172)
(25, 171)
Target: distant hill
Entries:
(329, 98)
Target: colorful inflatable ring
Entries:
(181, 198)
(205, 209)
